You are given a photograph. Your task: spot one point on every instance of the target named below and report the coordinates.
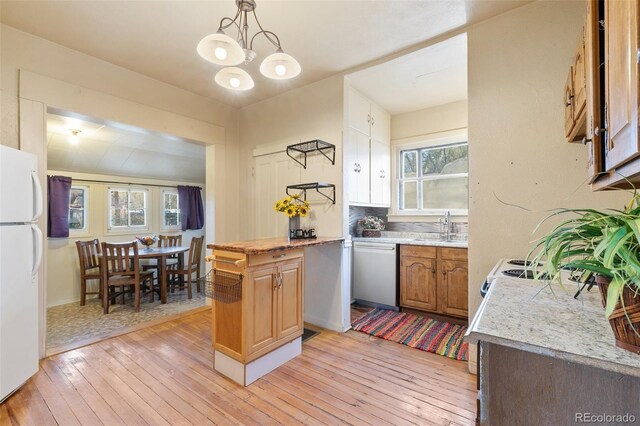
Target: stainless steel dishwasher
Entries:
(374, 274)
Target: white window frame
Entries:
(126, 229)
(417, 143)
(163, 224)
(85, 230)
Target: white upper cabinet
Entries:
(359, 112)
(380, 124)
(380, 173)
(367, 152)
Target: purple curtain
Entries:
(58, 193)
(191, 209)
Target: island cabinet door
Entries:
(290, 299)
(261, 296)
(453, 288)
(418, 283)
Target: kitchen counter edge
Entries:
(530, 316)
(412, 242)
(269, 245)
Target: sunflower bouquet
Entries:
(293, 206)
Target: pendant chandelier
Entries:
(221, 49)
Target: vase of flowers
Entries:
(294, 208)
(371, 226)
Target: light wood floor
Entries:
(163, 375)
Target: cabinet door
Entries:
(290, 299)
(621, 82)
(454, 288)
(380, 124)
(261, 308)
(359, 111)
(578, 80)
(357, 164)
(592, 77)
(418, 283)
(380, 173)
(568, 105)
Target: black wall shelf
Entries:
(311, 146)
(304, 187)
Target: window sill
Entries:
(426, 217)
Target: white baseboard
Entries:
(324, 323)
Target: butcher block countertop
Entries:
(268, 245)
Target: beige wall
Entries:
(518, 63)
(22, 51)
(63, 274)
(427, 121)
(311, 112)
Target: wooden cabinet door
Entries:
(578, 80)
(359, 111)
(592, 76)
(261, 308)
(454, 284)
(290, 299)
(568, 105)
(418, 283)
(380, 124)
(380, 173)
(621, 82)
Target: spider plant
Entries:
(605, 243)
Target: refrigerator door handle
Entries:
(38, 195)
(37, 259)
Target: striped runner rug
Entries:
(418, 332)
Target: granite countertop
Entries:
(414, 239)
(272, 244)
(535, 317)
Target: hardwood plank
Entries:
(163, 374)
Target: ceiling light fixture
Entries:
(222, 49)
(73, 140)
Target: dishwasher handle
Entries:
(372, 247)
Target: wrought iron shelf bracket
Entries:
(325, 148)
(304, 187)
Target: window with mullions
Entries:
(127, 208)
(78, 208)
(170, 209)
(434, 179)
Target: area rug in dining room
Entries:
(439, 337)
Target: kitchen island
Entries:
(547, 358)
(258, 307)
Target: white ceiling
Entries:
(121, 150)
(429, 77)
(159, 38)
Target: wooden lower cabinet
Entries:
(270, 313)
(434, 280)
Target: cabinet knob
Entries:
(598, 131)
(569, 100)
(368, 118)
(359, 168)
(355, 167)
(372, 121)
(585, 140)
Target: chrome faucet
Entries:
(446, 222)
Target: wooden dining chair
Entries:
(89, 256)
(192, 266)
(121, 270)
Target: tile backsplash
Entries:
(357, 212)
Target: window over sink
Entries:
(433, 179)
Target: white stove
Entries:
(517, 268)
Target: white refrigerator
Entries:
(21, 245)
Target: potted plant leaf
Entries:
(605, 244)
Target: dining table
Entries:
(161, 254)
